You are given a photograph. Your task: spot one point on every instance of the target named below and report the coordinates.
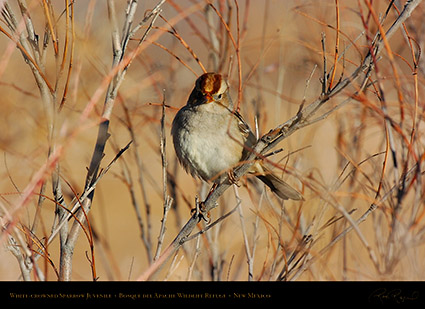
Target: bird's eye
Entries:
(220, 96)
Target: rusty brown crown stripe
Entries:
(210, 82)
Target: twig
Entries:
(212, 224)
(167, 206)
(249, 257)
(145, 229)
(167, 199)
(325, 74)
(212, 33)
(360, 220)
(192, 265)
(336, 46)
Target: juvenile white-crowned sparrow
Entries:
(211, 139)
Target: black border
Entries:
(281, 293)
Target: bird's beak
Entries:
(204, 99)
(208, 98)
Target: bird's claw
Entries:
(201, 212)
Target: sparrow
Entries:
(211, 138)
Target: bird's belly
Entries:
(208, 157)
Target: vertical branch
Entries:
(163, 153)
(336, 46)
(249, 257)
(215, 43)
(71, 56)
(167, 200)
(238, 57)
(145, 232)
(48, 16)
(390, 57)
(235, 45)
(325, 74)
(192, 265)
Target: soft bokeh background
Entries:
(280, 47)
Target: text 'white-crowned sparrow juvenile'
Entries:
(211, 139)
